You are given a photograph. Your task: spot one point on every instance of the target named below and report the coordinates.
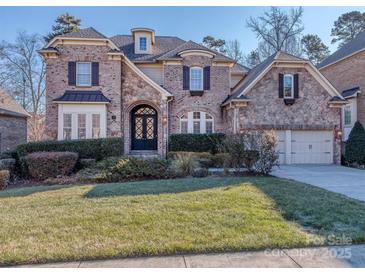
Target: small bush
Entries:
(43, 165)
(355, 145)
(184, 164)
(200, 172)
(89, 148)
(196, 142)
(205, 159)
(114, 169)
(254, 150)
(4, 178)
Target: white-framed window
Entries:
(81, 121)
(67, 126)
(288, 86)
(95, 133)
(347, 115)
(196, 122)
(196, 78)
(81, 126)
(143, 43)
(83, 74)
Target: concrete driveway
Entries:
(340, 179)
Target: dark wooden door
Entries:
(144, 128)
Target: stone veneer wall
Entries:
(109, 80)
(309, 112)
(136, 91)
(13, 132)
(347, 74)
(211, 100)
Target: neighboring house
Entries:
(13, 123)
(345, 68)
(145, 87)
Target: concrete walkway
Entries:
(340, 179)
(340, 256)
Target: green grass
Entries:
(59, 223)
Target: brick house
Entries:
(345, 69)
(13, 123)
(144, 87)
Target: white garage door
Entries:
(305, 147)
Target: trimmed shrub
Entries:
(355, 145)
(4, 178)
(184, 164)
(89, 148)
(254, 150)
(205, 159)
(44, 165)
(196, 142)
(84, 163)
(200, 172)
(114, 169)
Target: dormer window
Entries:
(143, 43)
(196, 78)
(288, 86)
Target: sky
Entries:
(189, 23)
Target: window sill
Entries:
(289, 101)
(196, 92)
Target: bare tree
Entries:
(252, 59)
(234, 51)
(278, 30)
(23, 71)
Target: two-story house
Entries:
(145, 87)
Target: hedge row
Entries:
(196, 142)
(89, 148)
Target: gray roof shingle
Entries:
(356, 44)
(163, 44)
(350, 92)
(85, 33)
(94, 96)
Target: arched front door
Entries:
(144, 128)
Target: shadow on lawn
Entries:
(25, 191)
(156, 187)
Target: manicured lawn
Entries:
(57, 223)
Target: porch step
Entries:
(145, 154)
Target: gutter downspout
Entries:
(169, 99)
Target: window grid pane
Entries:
(95, 126)
(288, 86)
(196, 75)
(196, 127)
(81, 126)
(143, 43)
(209, 127)
(184, 127)
(83, 74)
(347, 116)
(67, 126)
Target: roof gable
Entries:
(354, 46)
(9, 106)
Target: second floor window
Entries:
(83, 74)
(288, 86)
(143, 44)
(196, 78)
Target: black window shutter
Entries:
(72, 73)
(186, 78)
(95, 74)
(281, 85)
(206, 78)
(296, 86)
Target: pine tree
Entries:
(65, 23)
(355, 145)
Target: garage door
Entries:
(305, 147)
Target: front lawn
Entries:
(58, 223)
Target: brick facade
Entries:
(347, 74)
(109, 83)
(211, 100)
(309, 112)
(13, 131)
